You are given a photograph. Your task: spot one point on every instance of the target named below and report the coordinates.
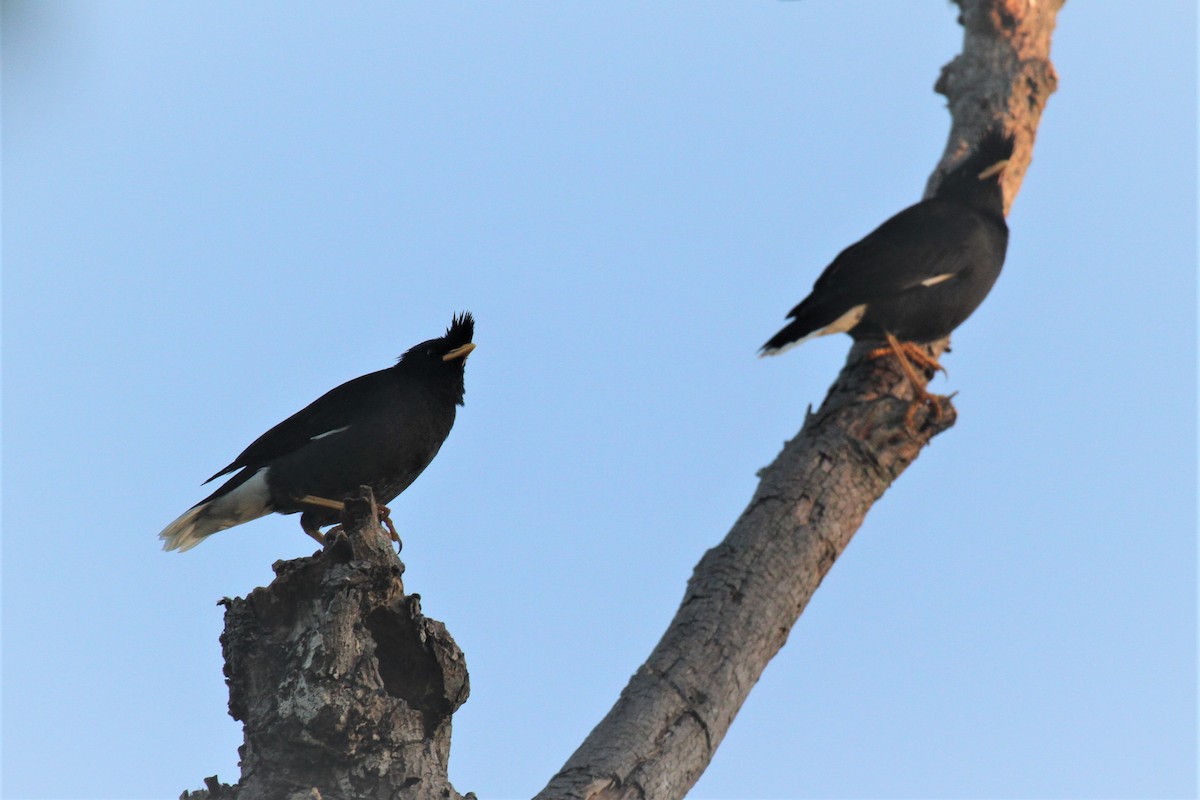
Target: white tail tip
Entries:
(187, 531)
(250, 500)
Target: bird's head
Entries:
(976, 179)
(442, 359)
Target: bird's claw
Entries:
(932, 401)
(914, 353)
(385, 516)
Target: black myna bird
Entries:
(920, 274)
(380, 430)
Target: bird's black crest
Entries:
(995, 145)
(461, 330)
(963, 182)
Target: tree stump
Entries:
(344, 688)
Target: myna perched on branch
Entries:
(380, 430)
(920, 274)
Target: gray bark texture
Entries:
(747, 592)
(345, 690)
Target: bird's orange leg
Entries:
(912, 350)
(385, 515)
(923, 397)
(312, 528)
(323, 502)
(919, 354)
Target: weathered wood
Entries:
(746, 593)
(1003, 72)
(344, 688)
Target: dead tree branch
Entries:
(344, 688)
(747, 593)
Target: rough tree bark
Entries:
(346, 691)
(747, 593)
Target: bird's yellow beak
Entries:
(459, 352)
(993, 169)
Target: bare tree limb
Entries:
(747, 593)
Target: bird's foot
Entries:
(913, 352)
(385, 516)
(906, 353)
(924, 400)
(311, 525)
(312, 528)
(919, 355)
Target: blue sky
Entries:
(214, 212)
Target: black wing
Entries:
(920, 243)
(335, 409)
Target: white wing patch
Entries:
(936, 279)
(328, 433)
